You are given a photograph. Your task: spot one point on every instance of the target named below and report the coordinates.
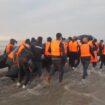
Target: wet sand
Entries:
(73, 92)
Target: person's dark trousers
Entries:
(48, 63)
(78, 60)
(102, 61)
(101, 66)
(64, 60)
(24, 74)
(37, 67)
(85, 63)
(59, 67)
(20, 74)
(100, 57)
(73, 57)
(71, 60)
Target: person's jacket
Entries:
(37, 50)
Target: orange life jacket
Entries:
(73, 46)
(85, 50)
(21, 47)
(55, 48)
(103, 52)
(11, 55)
(47, 46)
(9, 48)
(94, 59)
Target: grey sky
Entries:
(27, 18)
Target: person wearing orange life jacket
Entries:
(12, 54)
(47, 58)
(66, 51)
(58, 54)
(21, 47)
(17, 51)
(85, 53)
(10, 46)
(73, 49)
(46, 47)
(100, 50)
(94, 60)
(102, 56)
(9, 52)
(3, 58)
(12, 66)
(11, 59)
(68, 41)
(23, 58)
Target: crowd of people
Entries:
(31, 56)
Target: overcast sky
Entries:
(26, 18)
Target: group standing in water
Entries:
(31, 56)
